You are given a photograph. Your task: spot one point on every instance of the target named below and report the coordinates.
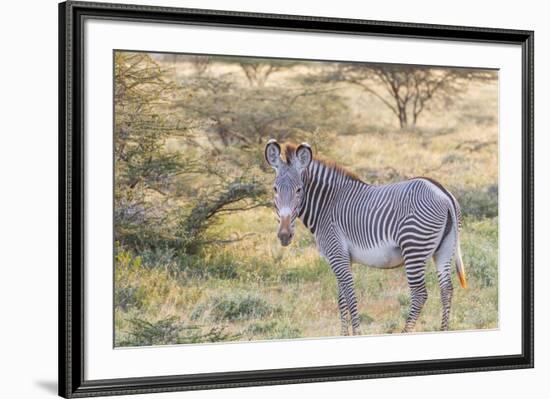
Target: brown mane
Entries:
(290, 153)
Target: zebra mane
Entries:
(290, 153)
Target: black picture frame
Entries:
(71, 199)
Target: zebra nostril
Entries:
(285, 238)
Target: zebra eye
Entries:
(299, 190)
(275, 189)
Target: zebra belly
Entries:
(384, 256)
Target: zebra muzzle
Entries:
(285, 234)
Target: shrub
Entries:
(286, 331)
(481, 251)
(240, 307)
(273, 330)
(198, 311)
(158, 257)
(169, 332)
(143, 332)
(234, 307)
(128, 297)
(261, 328)
(478, 202)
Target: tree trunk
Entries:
(403, 120)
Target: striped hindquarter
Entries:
(404, 223)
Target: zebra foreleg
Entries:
(351, 300)
(347, 302)
(343, 308)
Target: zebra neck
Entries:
(321, 184)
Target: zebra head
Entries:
(288, 187)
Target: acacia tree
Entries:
(246, 116)
(144, 169)
(151, 208)
(258, 73)
(407, 90)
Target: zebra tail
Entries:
(460, 265)
(458, 253)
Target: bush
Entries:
(286, 331)
(158, 257)
(234, 307)
(478, 202)
(240, 307)
(169, 332)
(480, 247)
(129, 297)
(261, 328)
(273, 330)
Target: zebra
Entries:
(383, 226)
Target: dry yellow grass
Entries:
(291, 292)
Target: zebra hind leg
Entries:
(415, 270)
(419, 295)
(442, 259)
(446, 288)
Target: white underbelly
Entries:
(386, 255)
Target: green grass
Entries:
(296, 298)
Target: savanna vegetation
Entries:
(196, 253)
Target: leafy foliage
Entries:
(149, 178)
(404, 89)
(248, 116)
(482, 202)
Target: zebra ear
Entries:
(273, 153)
(304, 155)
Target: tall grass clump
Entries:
(234, 307)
